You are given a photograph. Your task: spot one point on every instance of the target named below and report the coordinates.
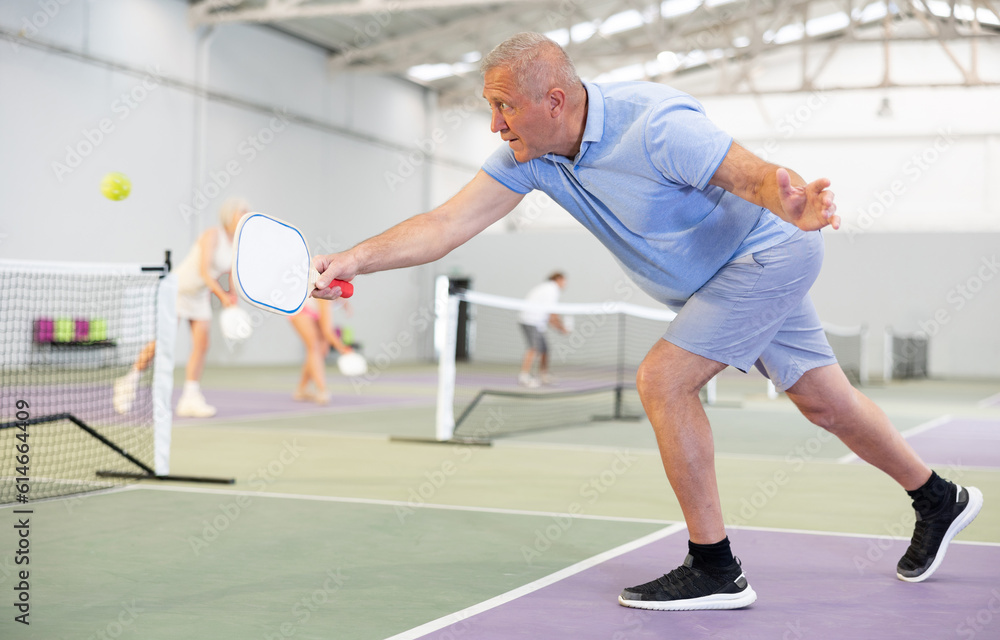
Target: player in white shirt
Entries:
(534, 322)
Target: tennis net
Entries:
(591, 368)
(69, 333)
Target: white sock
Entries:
(191, 387)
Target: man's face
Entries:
(523, 123)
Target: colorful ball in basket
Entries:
(65, 330)
(352, 364)
(235, 324)
(98, 330)
(116, 186)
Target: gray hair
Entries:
(232, 209)
(521, 53)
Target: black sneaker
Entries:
(687, 588)
(932, 535)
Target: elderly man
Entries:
(727, 240)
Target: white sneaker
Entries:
(526, 380)
(547, 379)
(125, 390)
(194, 406)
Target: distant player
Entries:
(314, 324)
(534, 323)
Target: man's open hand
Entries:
(809, 207)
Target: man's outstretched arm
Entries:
(422, 238)
(807, 206)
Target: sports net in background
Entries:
(905, 355)
(67, 334)
(592, 368)
(850, 345)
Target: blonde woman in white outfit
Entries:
(197, 279)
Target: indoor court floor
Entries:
(335, 530)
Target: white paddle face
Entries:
(271, 264)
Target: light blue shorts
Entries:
(756, 311)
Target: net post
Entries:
(163, 372)
(621, 356)
(863, 356)
(712, 391)
(446, 330)
(887, 356)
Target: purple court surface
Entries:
(809, 586)
(960, 442)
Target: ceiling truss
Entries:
(728, 37)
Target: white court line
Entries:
(920, 428)
(989, 402)
(552, 578)
(408, 505)
(497, 510)
(71, 496)
(295, 431)
(291, 415)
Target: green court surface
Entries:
(177, 564)
(334, 530)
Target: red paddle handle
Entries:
(346, 288)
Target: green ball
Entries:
(116, 186)
(65, 330)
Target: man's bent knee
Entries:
(670, 370)
(828, 405)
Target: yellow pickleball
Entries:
(116, 186)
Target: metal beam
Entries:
(207, 15)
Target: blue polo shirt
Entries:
(640, 184)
